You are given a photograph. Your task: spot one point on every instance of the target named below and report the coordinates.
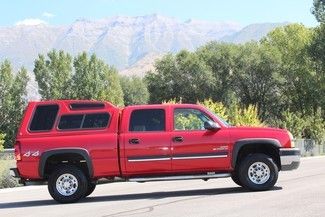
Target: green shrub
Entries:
(216, 107)
(2, 141)
(293, 122)
(173, 101)
(6, 181)
(247, 117)
(188, 122)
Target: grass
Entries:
(6, 181)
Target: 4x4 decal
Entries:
(32, 153)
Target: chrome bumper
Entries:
(290, 158)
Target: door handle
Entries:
(178, 139)
(134, 141)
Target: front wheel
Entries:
(258, 172)
(67, 184)
(235, 178)
(90, 189)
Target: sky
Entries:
(244, 12)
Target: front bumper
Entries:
(290, 158)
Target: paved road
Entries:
(297, 193)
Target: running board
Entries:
(185, 177)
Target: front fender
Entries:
(250, 142)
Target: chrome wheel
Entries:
(67, 184)
(259, 173)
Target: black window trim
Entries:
(82, 121)
(32, 117)
(165, 114)
(173, 125)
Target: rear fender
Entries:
(82, 152)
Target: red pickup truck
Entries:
(71, 144)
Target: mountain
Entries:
(120, 41)
(253, 32)
(131, 44)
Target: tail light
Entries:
(17, 151)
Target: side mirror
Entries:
(210, 125)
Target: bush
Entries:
(247, 117)
(6, 181)
(216, 107)
(308, 126)
(234, 114)
(2, 141)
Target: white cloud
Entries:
(30, 22)
(48, 15)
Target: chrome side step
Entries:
(185, 177)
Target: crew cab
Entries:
(71, 144)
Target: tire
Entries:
(91, 188)
(258, 172)
(235, 178)
(67, 184)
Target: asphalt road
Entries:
(297, 193)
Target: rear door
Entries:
(195, 149)
(146, 141)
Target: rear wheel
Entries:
(258, 172)
(67, 184)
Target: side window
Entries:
(84, 121)
(189, 119)
(44, 118)
(69, 122)
(96, 120)
(147, 120)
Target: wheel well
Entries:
(55, 160)
(266, 149)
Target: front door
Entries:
(195, 149)
(147, 143)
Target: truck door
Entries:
(195, 149)
(146, 141)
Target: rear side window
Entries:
(70, 122)
(44, 118)
(84, 121)
(95, 120)
(147, 120)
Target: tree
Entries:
(220, 57)
(86, 78)
(135, 90)
(316, 52)
(183, 75)
(13, 99)
(318, 10)
(299, 87)
(257, 80)
(93, 79)
(53, 75)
